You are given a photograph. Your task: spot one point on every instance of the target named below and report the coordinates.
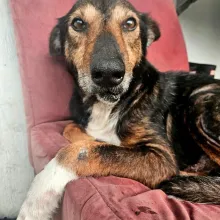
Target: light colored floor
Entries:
(201, 29)
(15, 171)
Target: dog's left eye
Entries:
(79, 25)
(129, 25)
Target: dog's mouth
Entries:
(108, 97)
(111, 95)
(103, 93)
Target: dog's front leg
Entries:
(149, 165)
(48, 186)
(46, 191)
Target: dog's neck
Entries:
(102, 123)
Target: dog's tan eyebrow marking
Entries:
(79, 46)
(88, 13)
(121, 13)
(129, 43)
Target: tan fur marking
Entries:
(138, 133)
(68, 157)
(94, 163)
(73, 133)
(151, 137)
(169, 127)
(129, 42)
(184, 173)
(80, 53)
(205, 89)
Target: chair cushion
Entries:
(111, 198)
(46, 140)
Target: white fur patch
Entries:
(57, 43)
(151, 37)
(102, 124)
(46, 192)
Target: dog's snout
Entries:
(108, 73)
(107, 66)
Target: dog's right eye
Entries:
(79, 25)
(129, 25)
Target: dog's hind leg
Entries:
(203, 119)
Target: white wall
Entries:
(15, 170)
(201, 28)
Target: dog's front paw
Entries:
(39, 206)
(73, 133)
(46, 192)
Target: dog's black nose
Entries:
(108, 73)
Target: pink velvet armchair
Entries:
(47, 89)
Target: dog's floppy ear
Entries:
(57, 38)
(152, 29)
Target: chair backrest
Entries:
(169, 52)
(47, 86)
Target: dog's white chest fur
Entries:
(102, 124)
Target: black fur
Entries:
(193, 188)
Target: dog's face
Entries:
(104, 40)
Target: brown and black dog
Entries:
(130, 119)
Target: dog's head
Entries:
(103, 41)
